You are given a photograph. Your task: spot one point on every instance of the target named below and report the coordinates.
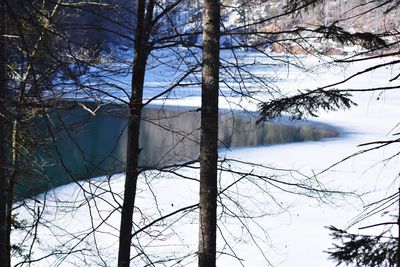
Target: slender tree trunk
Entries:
(4, 246)
(135, 113)
(209, 134)
(398, 233)
(12, 178)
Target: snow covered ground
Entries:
(287, 229)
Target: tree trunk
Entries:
(135, 113)
(209, 134)
(12, 178)
(4, 246)
(398, 233)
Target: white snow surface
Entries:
(288, 229)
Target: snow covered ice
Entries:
(290, 230)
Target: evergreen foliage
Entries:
(367, 40)
(307, 104)
(361, 250)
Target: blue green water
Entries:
(81, 146)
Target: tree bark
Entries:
(12, 177)
(398, 233)
(135, 112)
(4, 246)
(209, 134)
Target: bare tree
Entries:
(143, 21)
(209, 134)
(4, 245)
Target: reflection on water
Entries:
(86, 146)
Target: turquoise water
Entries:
(85, 146)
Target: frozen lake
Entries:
(264, 218)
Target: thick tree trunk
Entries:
(133, 150)
(209, 134)
(4, 246)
